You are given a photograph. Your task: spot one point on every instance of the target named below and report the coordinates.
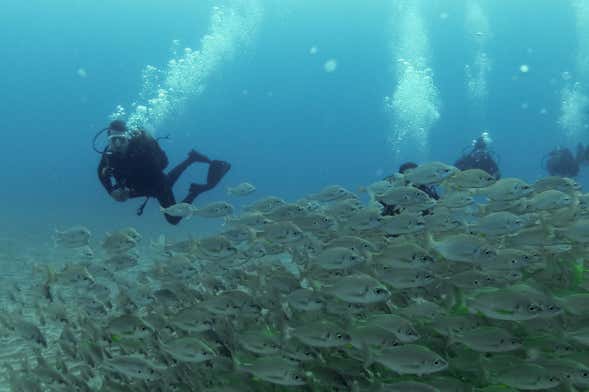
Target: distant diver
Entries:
(561, 162)
(480, 157)
(133, 164)
(391, 209)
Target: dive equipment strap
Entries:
(142, 207)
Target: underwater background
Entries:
(292, 93)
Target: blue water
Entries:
(297, 129)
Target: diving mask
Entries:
(118, 142)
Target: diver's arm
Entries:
(116, 191)
(105, 175)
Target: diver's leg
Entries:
(195, 190)
(217, 170)
(166, 199)
(193, 156)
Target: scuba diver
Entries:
(480, 157)
(391, 209)
(561, 162)
(133, 164)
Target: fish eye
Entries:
(437, 362)
(475, 282)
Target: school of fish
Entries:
(484, 289)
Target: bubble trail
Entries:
(414, 104)
(166, 91)
(574, 109)
(478, 31)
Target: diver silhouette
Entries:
(133, 164)
(561, 162)
(479, 158)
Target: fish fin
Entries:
(368, 356)
(55, 237)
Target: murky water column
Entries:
(166, 91)
(574, 117)
(414, 105)
(478, 33)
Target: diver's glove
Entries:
(121, 194)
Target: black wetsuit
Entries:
(141, 170)
(479, 158)
(561, 162)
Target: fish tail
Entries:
(430, 240)
(226, 221)
(51, 278)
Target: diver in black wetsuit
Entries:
(391, 209)
(479, 158)
(561, 162)
(133, 166)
